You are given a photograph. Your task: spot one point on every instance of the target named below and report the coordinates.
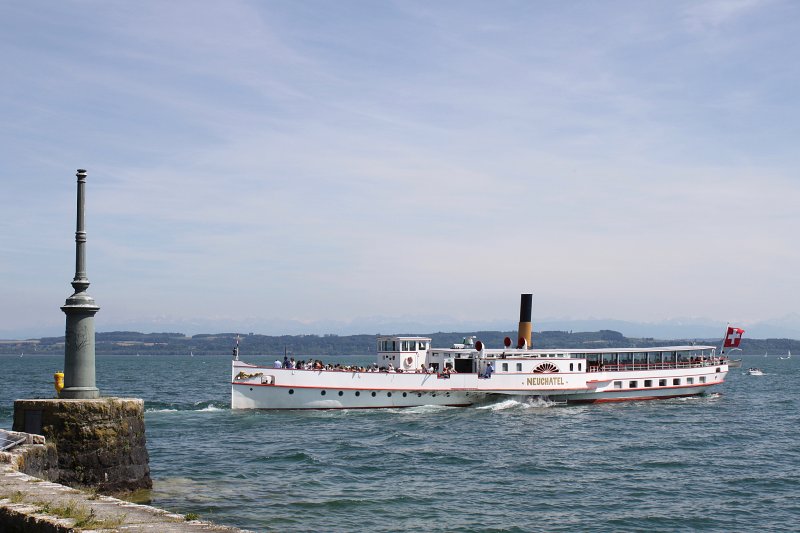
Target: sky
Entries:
(314, 166)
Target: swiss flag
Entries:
(733, 337)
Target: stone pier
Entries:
(96, 443)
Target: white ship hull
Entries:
(271, 388)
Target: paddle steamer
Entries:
(470, 373)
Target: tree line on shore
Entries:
(131, 342)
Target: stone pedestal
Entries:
(99, 443)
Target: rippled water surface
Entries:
(724, 462)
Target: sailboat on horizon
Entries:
(788, 355)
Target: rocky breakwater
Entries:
(98, 443)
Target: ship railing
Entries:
(653, 366)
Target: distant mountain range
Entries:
(167, 344)
(787, 327)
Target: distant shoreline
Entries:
(132, 343)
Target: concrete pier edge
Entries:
(29, 504)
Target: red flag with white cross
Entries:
(733, 337)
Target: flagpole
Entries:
(724, 338)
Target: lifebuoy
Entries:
(409, 360)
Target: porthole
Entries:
(447, 394)
(358, 393)
(291, 391)
(388, 394)
(341, 393)
(251, 388)
(433, 394)
(405, 394)
(322, 393)
(419, 395)
(373, 394)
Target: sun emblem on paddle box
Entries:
(545, 368)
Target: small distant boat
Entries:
(788, 355)
(753, 371)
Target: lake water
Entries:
(729, 461)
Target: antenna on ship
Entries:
(236, 349)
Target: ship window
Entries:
(341, 393)
(702, 379)
(519, 367)
(505, 367)
(389, 394)
(373, 393)
(291, 391)
(662, 382)
(579, 367)
(617, 384)
(405, 394)
(323, 393)
(633, 384)
(648, 383)
(570, 367)
(419, 395)
(689, 381)
(676, 381)
(358, 393)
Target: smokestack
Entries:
(525, 306)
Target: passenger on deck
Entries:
(423, 368)
(285, 362)
(488, 372)
(391, 368)
(277, 364)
